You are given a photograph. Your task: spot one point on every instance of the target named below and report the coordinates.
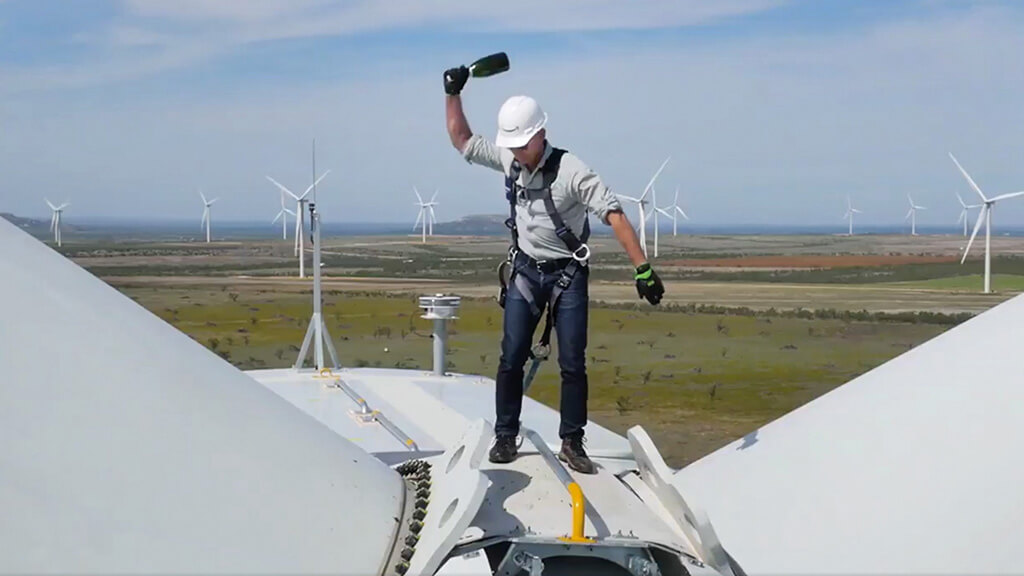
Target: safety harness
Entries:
(577, 246)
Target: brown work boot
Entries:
(575, 456)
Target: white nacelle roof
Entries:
(914, 467)
(127, 447)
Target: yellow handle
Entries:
(578, 509)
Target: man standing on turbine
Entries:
(550, 191)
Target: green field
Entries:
(971, 283)
(694, 380)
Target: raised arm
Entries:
(458, 126)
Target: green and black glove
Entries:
(455, 80)
(648, 285)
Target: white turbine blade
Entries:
(962, 203)
(287, 211)
(64, 205)
(419, 217)
(434, 197)
(53, 221)
(50, 204)
(278, 217)
(629, 198)
(282, 187)
(911, 200)
(920, 207)
(203, 196)
(849, 204)
(963, 214)
(675, 201)
(1005, 196)
(911, 212)
(418, 197)
(655, 177)
(977, 225)
(968, 177)
(315, 182)
(682, 213)
(433, 217)
(664, 212)
(855, 211)
(210, 203)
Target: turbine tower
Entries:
(672, 211)
(641, 203)
(964, 207)
(912, 215)
(55, 218)
(850, 211)
(300, 201)
(283, 216)
(206, 214)
(986, 216)
(433, 217)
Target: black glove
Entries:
(648, 285)
(455, 79)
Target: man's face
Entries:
(530, 154)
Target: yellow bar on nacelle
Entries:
(578, 509)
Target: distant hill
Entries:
(475, 225)
(27, 223)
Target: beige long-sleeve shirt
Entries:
(576, 191)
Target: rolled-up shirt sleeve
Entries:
(479, 150)
(597, 197)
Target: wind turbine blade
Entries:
(315, 182)
(968, 177)
(911, 200)
(283, 189)
(201, 195)
(212, 201)
(419, 216)
(278, 217)
(909, 214)
(977, 225)
(417, 193)
(53, 221)
(683, 213)
(434, 197)
(675, 201)
(629, 198)
(855, 211)
(664, 212)
(50, 204)
(64, 205)
(1005, 196)
(962, 203)
(963, 214)
(288, 211)
(655, 177)
(433, 217)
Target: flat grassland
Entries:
(751, 328)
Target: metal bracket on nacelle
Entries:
(694, 523)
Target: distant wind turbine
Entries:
(672, 211)
(300, 200)
(912, 215)
(55, 218)
(850, 211)
(423, 218)
(986, 216)
(283, 216)
(206, 214)
(642, 202)
(965, 207)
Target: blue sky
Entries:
(772, 110)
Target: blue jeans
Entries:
(571, 330)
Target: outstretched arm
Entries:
(627, 237)
(475, 150)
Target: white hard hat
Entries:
(519, 119)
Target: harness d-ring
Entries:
(586, 253)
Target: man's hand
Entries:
(455, 80)
(648, 285)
